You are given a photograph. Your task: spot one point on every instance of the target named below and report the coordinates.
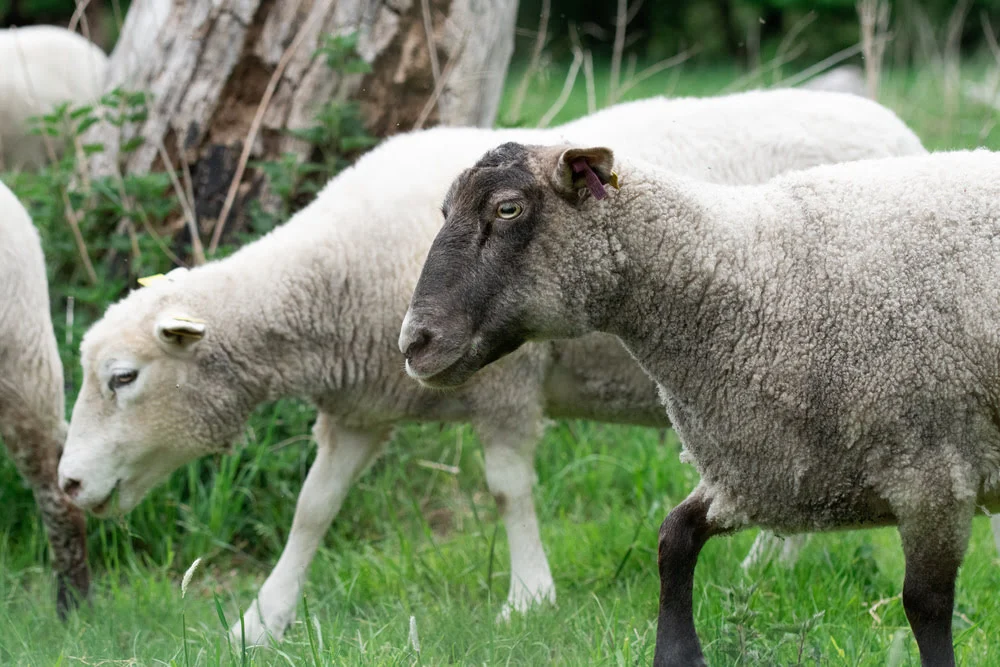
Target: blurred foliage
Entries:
(719, 29)
(28, 12)
(739, 29)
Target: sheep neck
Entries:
(678, 274)
(288, 316)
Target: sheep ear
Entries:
(585, 169)
(179, 331)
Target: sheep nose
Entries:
(71, 487)
(419, 339)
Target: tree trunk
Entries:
(223, 71)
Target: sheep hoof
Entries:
(257, 630)
(71, 592)
(525, 602)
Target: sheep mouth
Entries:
(102, 508)
(442, 371)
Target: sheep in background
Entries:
(843, 79)
(32, 407)
(827, 345)
(313, 309)
(43, 67)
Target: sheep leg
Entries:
(510, 475)
(767, 545)
(761, 551)
(682, 535)
(36, 452)
(933, 545)
(342, 455)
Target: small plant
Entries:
(338, 136)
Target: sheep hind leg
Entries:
(35, 451)
(933, 545)
(767, 545)
(682, 536)
(510, 475)
(342, 456)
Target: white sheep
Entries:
(313, 310)
(843, 79)
(827, 345)
(32, 408)
(44, 66)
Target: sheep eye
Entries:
(121, 379)
(508, 210)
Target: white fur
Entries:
(844, 79)
(313, 310)
(32, 407)
(43, 66)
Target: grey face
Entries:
(477, 296)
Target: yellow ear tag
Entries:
(149, 280)
(613, 181)
(192, 320)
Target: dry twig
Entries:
(533, 65)
(187, 205)
(449, 68)
(258, 118)
(873, 15)
(560, 102)
(621, 24)
(655, 69)
(425, 9)
(822, 65)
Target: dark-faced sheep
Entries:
(827, 345)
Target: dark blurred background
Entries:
(743, 31)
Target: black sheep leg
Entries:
(682, 535)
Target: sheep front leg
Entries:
(767, 545)
(933, 545)
(510, 475)
(682, 535)
(342, 455)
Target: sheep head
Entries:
(513, 261)
(157, 393)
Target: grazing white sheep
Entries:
(32, 408)
(827, 345)
(43, 66)
(313, 310)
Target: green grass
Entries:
(412, 541)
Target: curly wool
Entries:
(825, 344)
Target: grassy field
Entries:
(417, 542)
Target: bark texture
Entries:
(209, 63)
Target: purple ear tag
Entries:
(594, 184)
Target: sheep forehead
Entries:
(510, 166)
(98, 350)
(126, 326)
